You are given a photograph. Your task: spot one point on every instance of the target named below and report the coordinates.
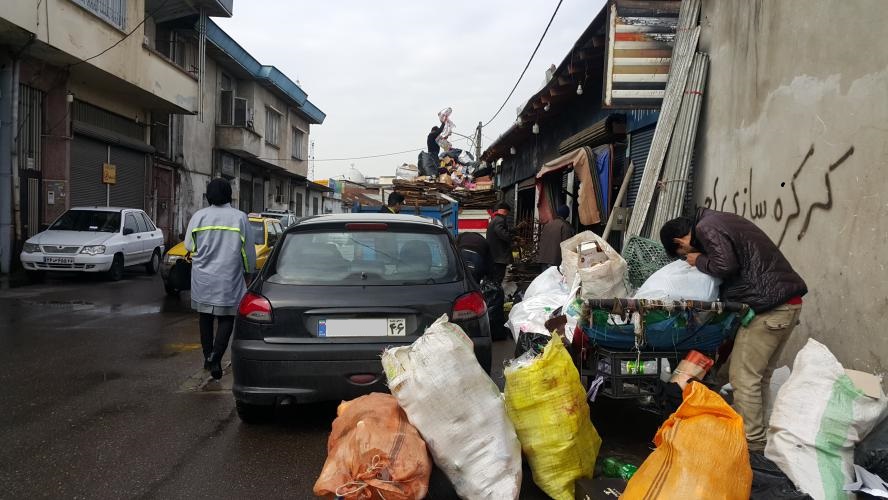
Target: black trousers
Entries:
(498, 273)
(218, 344)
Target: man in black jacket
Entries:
(499, 239)
(755, 272)
(432, 144)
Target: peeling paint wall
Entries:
(795, 138)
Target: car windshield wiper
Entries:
(380, 252)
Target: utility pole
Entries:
(478, 142)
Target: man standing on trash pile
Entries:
(554, 232)
(432, 144)
(395, 201)
(499, 239)
(754, 272)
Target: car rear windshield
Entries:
(366, 258)
(258, 229)
(88, 220)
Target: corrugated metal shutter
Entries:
(640, 144)
(87, 158)
(129, 192)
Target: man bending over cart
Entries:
(755, 272)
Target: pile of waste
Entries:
(828, 430)
(382, 446)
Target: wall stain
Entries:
(758, 209)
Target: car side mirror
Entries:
(128, 231)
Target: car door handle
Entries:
(138, 237)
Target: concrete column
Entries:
(8, 108)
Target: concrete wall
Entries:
(75, 31)
(794, 138)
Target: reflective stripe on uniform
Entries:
(222, 228)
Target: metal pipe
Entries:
(687, 36)
(666, 305)
(624, 186)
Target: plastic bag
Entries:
(818, 418)
(530, 315)
(458, 410)
(427, 164)
(679, 280)
(872, 452)
(373, 452)
(601, 281)
(550, 281)
(547, 403)
(701, 453)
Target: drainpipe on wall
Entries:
(9, 81)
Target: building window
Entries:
(272, 126)
(314, 206)
(298, 144)
(112, 11)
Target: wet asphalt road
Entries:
(103, 396)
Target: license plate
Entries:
(58, 260)
(367, 327)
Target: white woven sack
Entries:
(458, 410)
(602, 281)
(818, 417)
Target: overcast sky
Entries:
(382, 70)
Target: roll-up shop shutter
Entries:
(87, 158)
(129, 192)
(640, 144)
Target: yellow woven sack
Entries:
(547, 404)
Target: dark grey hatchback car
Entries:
(336, 292)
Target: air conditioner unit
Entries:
(240, 112)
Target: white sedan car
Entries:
(95, 240)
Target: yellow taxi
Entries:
(266, 232)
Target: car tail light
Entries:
(469, 306)
(255, 308)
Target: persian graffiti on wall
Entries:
(791, 213)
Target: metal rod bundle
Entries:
(676, 174)
(688, 33)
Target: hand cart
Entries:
(620, 343)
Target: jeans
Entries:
(215, 346)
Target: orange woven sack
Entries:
(374, 453)
(701, 453)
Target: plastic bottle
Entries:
(645, 367)
(614, 467)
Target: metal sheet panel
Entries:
(640, 38)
